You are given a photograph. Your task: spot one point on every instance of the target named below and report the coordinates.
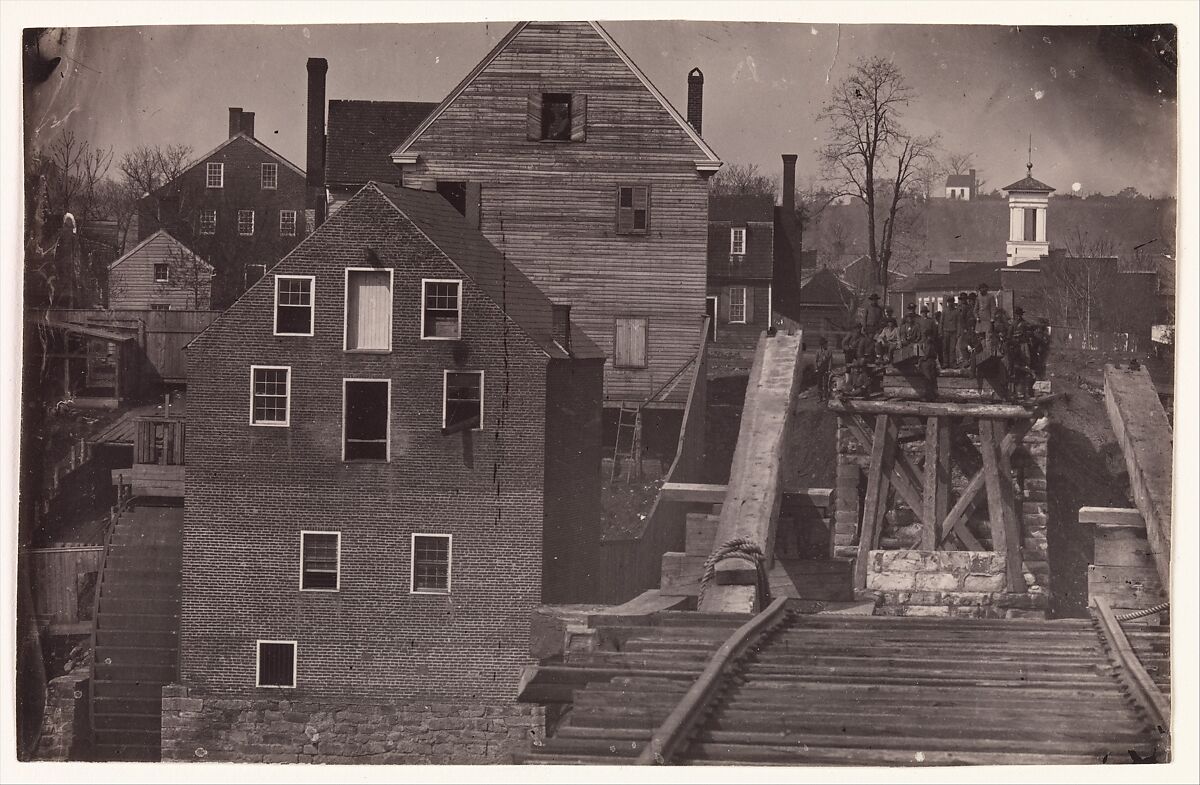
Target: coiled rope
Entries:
(738, 548)
(1162, 606)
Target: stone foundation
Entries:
(65, 720)
(283, 730)
(908, 582)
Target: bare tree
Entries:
(742, 180)
(960, 163)
(148, 168)
(870, 156)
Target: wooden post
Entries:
(883, 451)
(936, 499)
(1001, 516)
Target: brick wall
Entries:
(906, 581)
(251, 490)
(176, 207)
(198, 727)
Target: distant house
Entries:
(393, 459)
(741, 251)
(240, 207)
(961, 186)
(827, 304)
(160, 274)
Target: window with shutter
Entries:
(633, 209)
(629, 342)
(556, 117)
(578, 117)
(368, 310)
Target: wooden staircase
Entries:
(136, 632)
(851, 690)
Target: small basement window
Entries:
(270, 391)
(293, 304)
(320, 560)
(462, 401)
(441, 309)
(162, 272)
(365, 419)
(368, 310)
(208, 222)
(215, 176)
(276, 664)
(287, 223)
(245, 222)
(431, 563)
(737, 240)
(270, 176)
(633, 209)
(556, 116)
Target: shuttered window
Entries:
(365, 419)
(462, 401)
(629, 342)
(293, 304)
(556, 117)
(276, 663)
(270, 394)
(633, 209)
(431, 563)
(320, 559)
(441, 309)
(368, 310)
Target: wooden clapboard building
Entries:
(584, 176)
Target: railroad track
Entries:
(787, 688)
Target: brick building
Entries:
(241, 207)
(741, 252)
(394, 453)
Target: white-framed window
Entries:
(441, 309)
(366, 419)
(737, 240)
(462, 401)
(270, 395)
(275, 663)
(214, 175)
(368, 310)
(245, 222)
(294, 304)
(162, 272)
(269, 176)
(208, 222)
(431, 563)
(320, 560)
(629, 341)
(737, 304)
(287, 223)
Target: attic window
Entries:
(215, 175)
(162, 272)
(737, 240)
(556, 117)
(270, 176)
(633, 209)
(441, 309)
(293, 304)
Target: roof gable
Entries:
(250, 139)
(711, 160)
(960, 181)
(158, 245)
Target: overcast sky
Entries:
(1102, 110)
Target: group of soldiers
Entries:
(971, 332)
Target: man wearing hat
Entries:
(872, 316)
(985, 310)
(910, 328)
(949, 330)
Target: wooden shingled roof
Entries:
(362, 134)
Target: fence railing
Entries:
(1078, 338)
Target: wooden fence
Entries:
(633, 563)
(1079, 339)
(63, 580)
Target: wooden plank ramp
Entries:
(696, 688)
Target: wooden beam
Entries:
(904, 476)
(693, 492)
(936, 499)
(1153, 701)
(1116, 516)
(1001, 517)
(1145, 436)
(883, 450)
(955, 522)
(992, 411)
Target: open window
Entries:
(293, 304)
(320, 560)
(270, 395)
(633, 209)
(1030, 223)
(368, 310)
(276, 663)
(556, 117)
(441, 309)
(629, 342)
(366, 417)
(431, 564)
(462, 401)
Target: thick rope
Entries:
(1162, 606)
(738, 548)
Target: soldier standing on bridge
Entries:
(872, 316)
(949, 328)
(824, 369)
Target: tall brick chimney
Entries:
(314, 163)
(973, 181)
(789, 186)
(695, 107)
(235, 121)
(248, 124)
